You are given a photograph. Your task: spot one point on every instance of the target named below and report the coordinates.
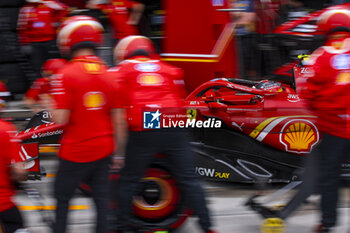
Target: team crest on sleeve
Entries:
(94, 100)
(147, 67)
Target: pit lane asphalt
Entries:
(225, 201)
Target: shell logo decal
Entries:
(150, 79)
(92, 68)
(299, 136)
(94, 100)
(343, 78)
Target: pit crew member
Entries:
(119, 17)
(41, 86)
(146, 82)
(3, 94)
(37, 25)
(83, 103)
(11, 169)
(326, 92)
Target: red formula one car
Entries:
(265, 133)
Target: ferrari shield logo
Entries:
(191, 113)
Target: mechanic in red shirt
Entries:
(119, 17)
(145, 82)
(3, 94)
(11, 169)
(83, 102)
(41, 86)
(327, 92)
(37, 25)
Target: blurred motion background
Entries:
(249, 39)
(260, 50)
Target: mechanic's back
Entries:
(326, 92)
(83, 103)
(151, 83)
(148, 86)
(88, 132)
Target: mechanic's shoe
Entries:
(322, 229)
(264, 211)
(272, 225)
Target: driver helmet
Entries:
(268, 85)
(132, 46)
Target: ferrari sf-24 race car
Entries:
(265, 135)
(266, 130)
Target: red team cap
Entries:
(130, 44)
(79, 29)
(336, 19)
(3, 93)
(51, 66)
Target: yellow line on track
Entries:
(52, 207)
(48, 150)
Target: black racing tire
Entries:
(165, 209)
